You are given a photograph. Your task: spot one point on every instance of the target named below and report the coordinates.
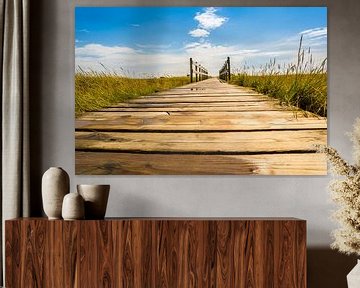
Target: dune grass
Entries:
(302, 84)
(94, 90)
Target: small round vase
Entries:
(96, 198)
(73, 207)
(55, 185)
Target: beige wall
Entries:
(52, 123)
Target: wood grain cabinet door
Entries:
(141, 253)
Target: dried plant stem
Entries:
(345, 192)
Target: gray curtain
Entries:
(14, 38)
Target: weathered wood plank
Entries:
(202, 99)
(231, 121)
(194, 108)
(227, 89)
(99, 163)
(205, 95)
(266, 105)
(283, 114)
(216, 142)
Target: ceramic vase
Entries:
(353, 278)
(96, 198)
(73, 207)
(55, 185)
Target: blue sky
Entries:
(159, 40)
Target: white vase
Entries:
(55, 185)
(95, 197)
(73, 207)
(353, 278)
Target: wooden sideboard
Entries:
(156, 252)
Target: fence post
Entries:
(196, 72)
(228, 72)
(191, 70)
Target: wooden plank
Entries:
(227, 89)
(208, 121)
(209, 94)
(107, 163)
(214, 105)
(203, 99)
(286, 114)
(196, 108)
(217, 142)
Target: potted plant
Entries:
(345, 192)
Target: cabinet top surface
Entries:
(175, 219)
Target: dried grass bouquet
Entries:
(345, 191)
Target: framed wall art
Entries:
(200, 90)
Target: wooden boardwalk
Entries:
(208, 127)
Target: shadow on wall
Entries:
(328, 268)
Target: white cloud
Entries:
(192, 45)
(101, 51)
(199, 33)
(209, 20)
(135, 25)
(153, 46)
(128, 61)
(315, 32)
(211, 51)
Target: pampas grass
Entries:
(345, 192)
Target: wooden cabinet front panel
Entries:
(156, 253)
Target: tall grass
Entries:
(302, 84)
(96, 90)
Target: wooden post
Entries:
(191, 70)
(196, 72)
(228, 68)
